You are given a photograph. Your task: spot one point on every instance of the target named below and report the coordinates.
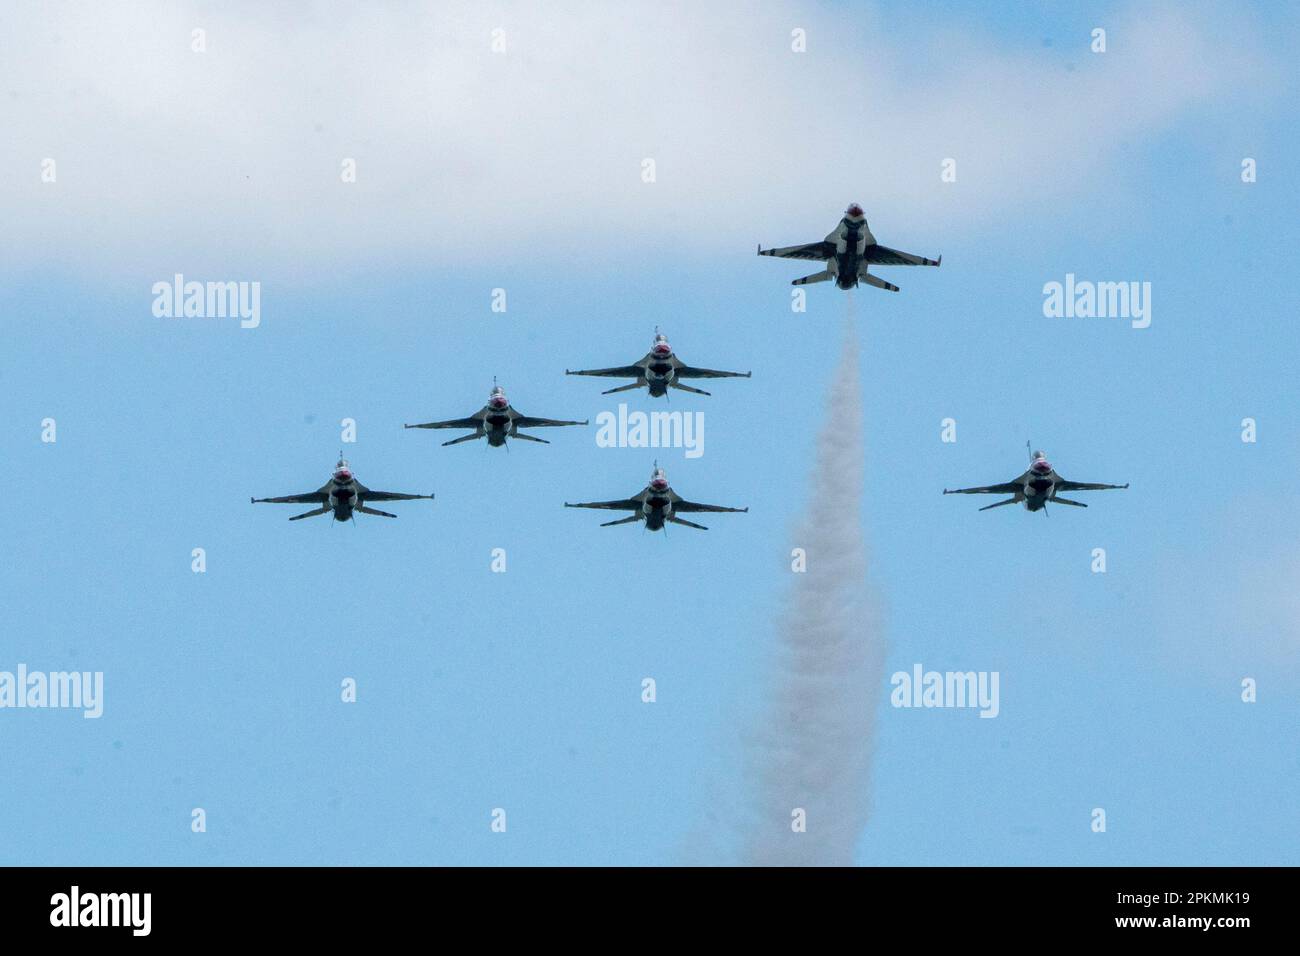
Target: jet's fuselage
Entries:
(659, 376)
(850, 244)
(343, 498)
(1039, 490)
(498, 429)
(657, 507)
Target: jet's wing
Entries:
(1007, 488)
(310, 498)
(885, 256)
(685, 371)
(819, 251)
(474, 421)
(523, 421)
(365, 494)
(624, 504)
(1063, 485)
(620, 371)
(681, 505)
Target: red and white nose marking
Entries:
(343, 475)
(854, 211)
(659, 484)
(498, 401)
(1042, 466)
(662, 349)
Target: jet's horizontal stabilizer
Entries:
(1066, 501)
(690, 524)
(999, 504)
(628, 520)
(878, 282)
(375, 511)
(815, 277)
(311, 514)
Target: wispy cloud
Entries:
(233, 155)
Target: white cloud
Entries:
(232, 157)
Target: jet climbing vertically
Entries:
(847, 253)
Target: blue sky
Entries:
(522, 690)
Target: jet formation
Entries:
(498, 422)
(847, 252)
(1039, 485)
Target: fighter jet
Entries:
(847, 252)
(497, 421)
(343, 495)
(1036, 487)
(659, 370)
(657, 504)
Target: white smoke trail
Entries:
(813, 748)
